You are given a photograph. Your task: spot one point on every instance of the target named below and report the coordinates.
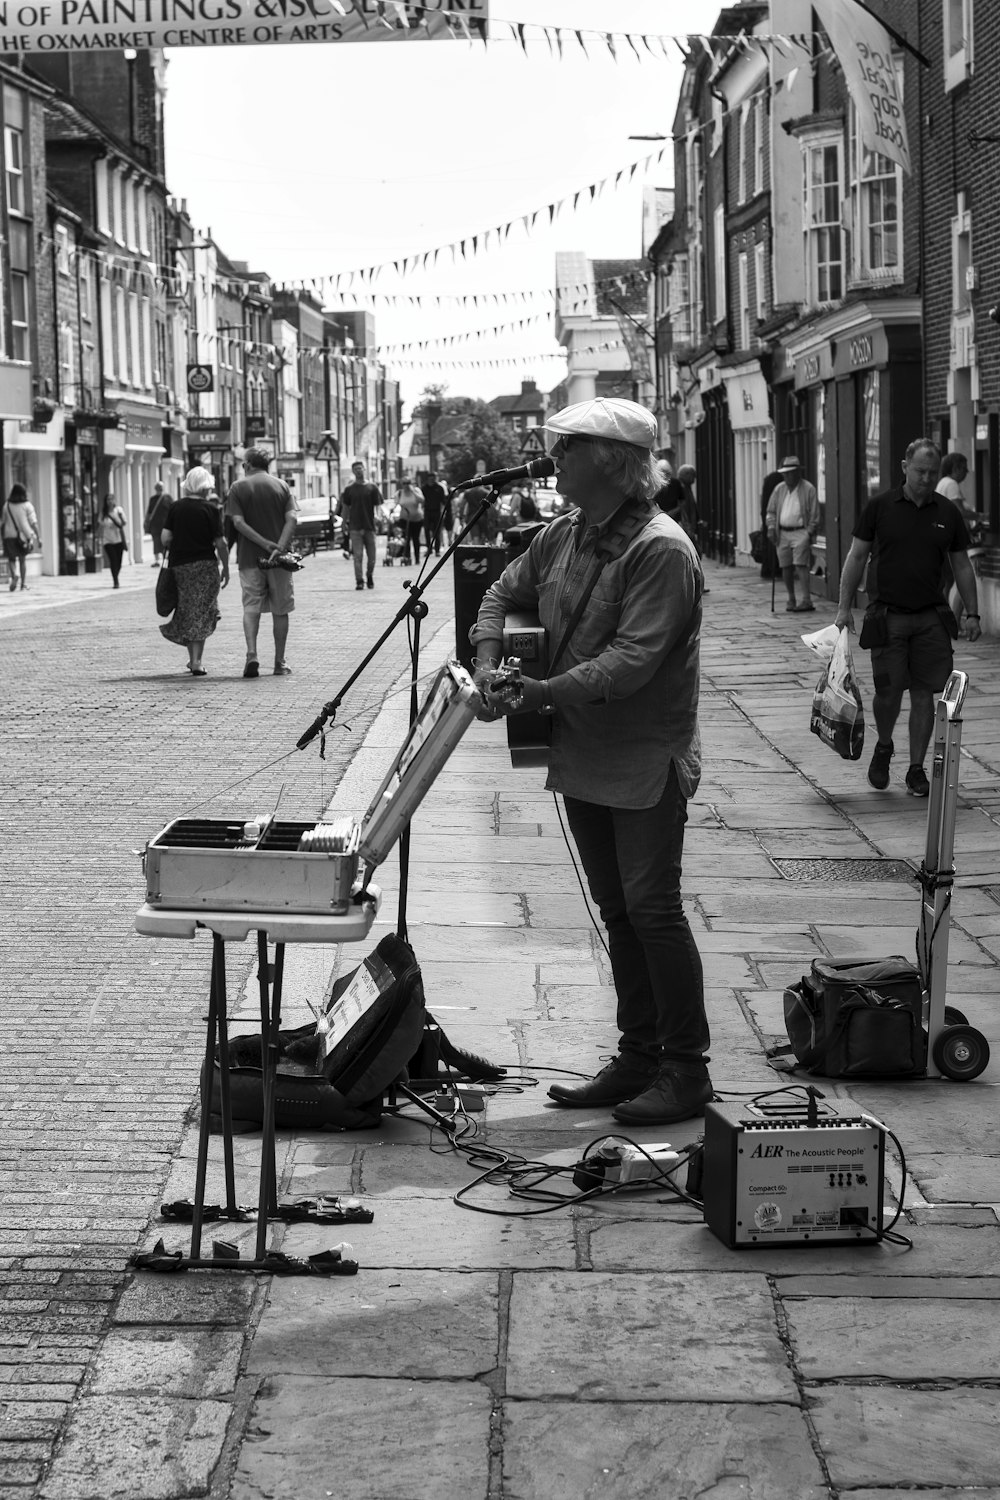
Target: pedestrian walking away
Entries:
(908, 533)
(359, 505)
(113, 536)
(262, 510)
(434, 503)
(618, 585)
(676, 499)
(411, 519)
(156, 514)
(792, 521)
(19, 530)
(196, 551)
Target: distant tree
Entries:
(479, 433)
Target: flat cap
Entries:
(607, 417)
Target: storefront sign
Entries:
(114, 442)
(209, 424)
(859, 351)
(67, 26)
(746, 394)
(255, 427)
(15, 389)
(813, 367)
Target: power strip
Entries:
(617, 1163)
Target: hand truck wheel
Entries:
(954, 1017)
(961, 1053)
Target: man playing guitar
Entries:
(617, 586)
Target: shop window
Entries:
(19, 304)
(719, 254)
(759, 141)
(62, 250)
(824, 230)
(743, 161)
(760, 281)
(876, 195)
(13, 158)
(957, 18)
(743, 310)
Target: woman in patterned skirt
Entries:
(196, 549)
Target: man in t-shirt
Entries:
(358, 504)
(263, 512)
(912, 531)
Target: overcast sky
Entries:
(307, 161)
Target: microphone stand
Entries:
(416, 610)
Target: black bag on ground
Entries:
(856, 1019)
(343, 1088)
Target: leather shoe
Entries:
(618, 1081)
(671, 1096)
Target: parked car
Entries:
(315, 524)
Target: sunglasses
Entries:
(561, 444)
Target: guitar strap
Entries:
(632, 518)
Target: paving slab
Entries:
(193, 1297)
(638, 1338)
(937, 1251)
(634, 1451)
(365, 1439)
(409, 1325)
(880, 1435)
(925, 1339)
(138, 1448)
(168, 1362)
(431, 1231)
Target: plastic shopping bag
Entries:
(838, 715)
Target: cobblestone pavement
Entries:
(105, 738)
(617, 1349)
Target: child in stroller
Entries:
(395, 543)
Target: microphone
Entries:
(539, 468)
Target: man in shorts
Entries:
(908, 626)
(263, 512)
(792, 522)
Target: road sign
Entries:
(328, 450)
(200, 378)
(533, 440)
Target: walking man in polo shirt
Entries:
(263, 512)
(909, 532)
(792, 523)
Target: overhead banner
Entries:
(66, 26)
(865, 51)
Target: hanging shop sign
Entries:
(67, 26)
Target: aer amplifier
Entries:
(775, 1174)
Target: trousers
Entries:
(632, 860)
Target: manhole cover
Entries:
(844, 869)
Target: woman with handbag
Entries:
(196, 549)
(113, 536)
(19, 528)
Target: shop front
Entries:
(753, 446)
(79, 498)
(31, 453)
(854, 404)
(714, 467)
(133, 472)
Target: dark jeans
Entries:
(363, 548)
(632, 858)
(432, 535)
(412, 534)
(113, 552)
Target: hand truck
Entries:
(955, 1049)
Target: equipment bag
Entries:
(855, 1019)
(335, 1075)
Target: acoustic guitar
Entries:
(526, 653)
